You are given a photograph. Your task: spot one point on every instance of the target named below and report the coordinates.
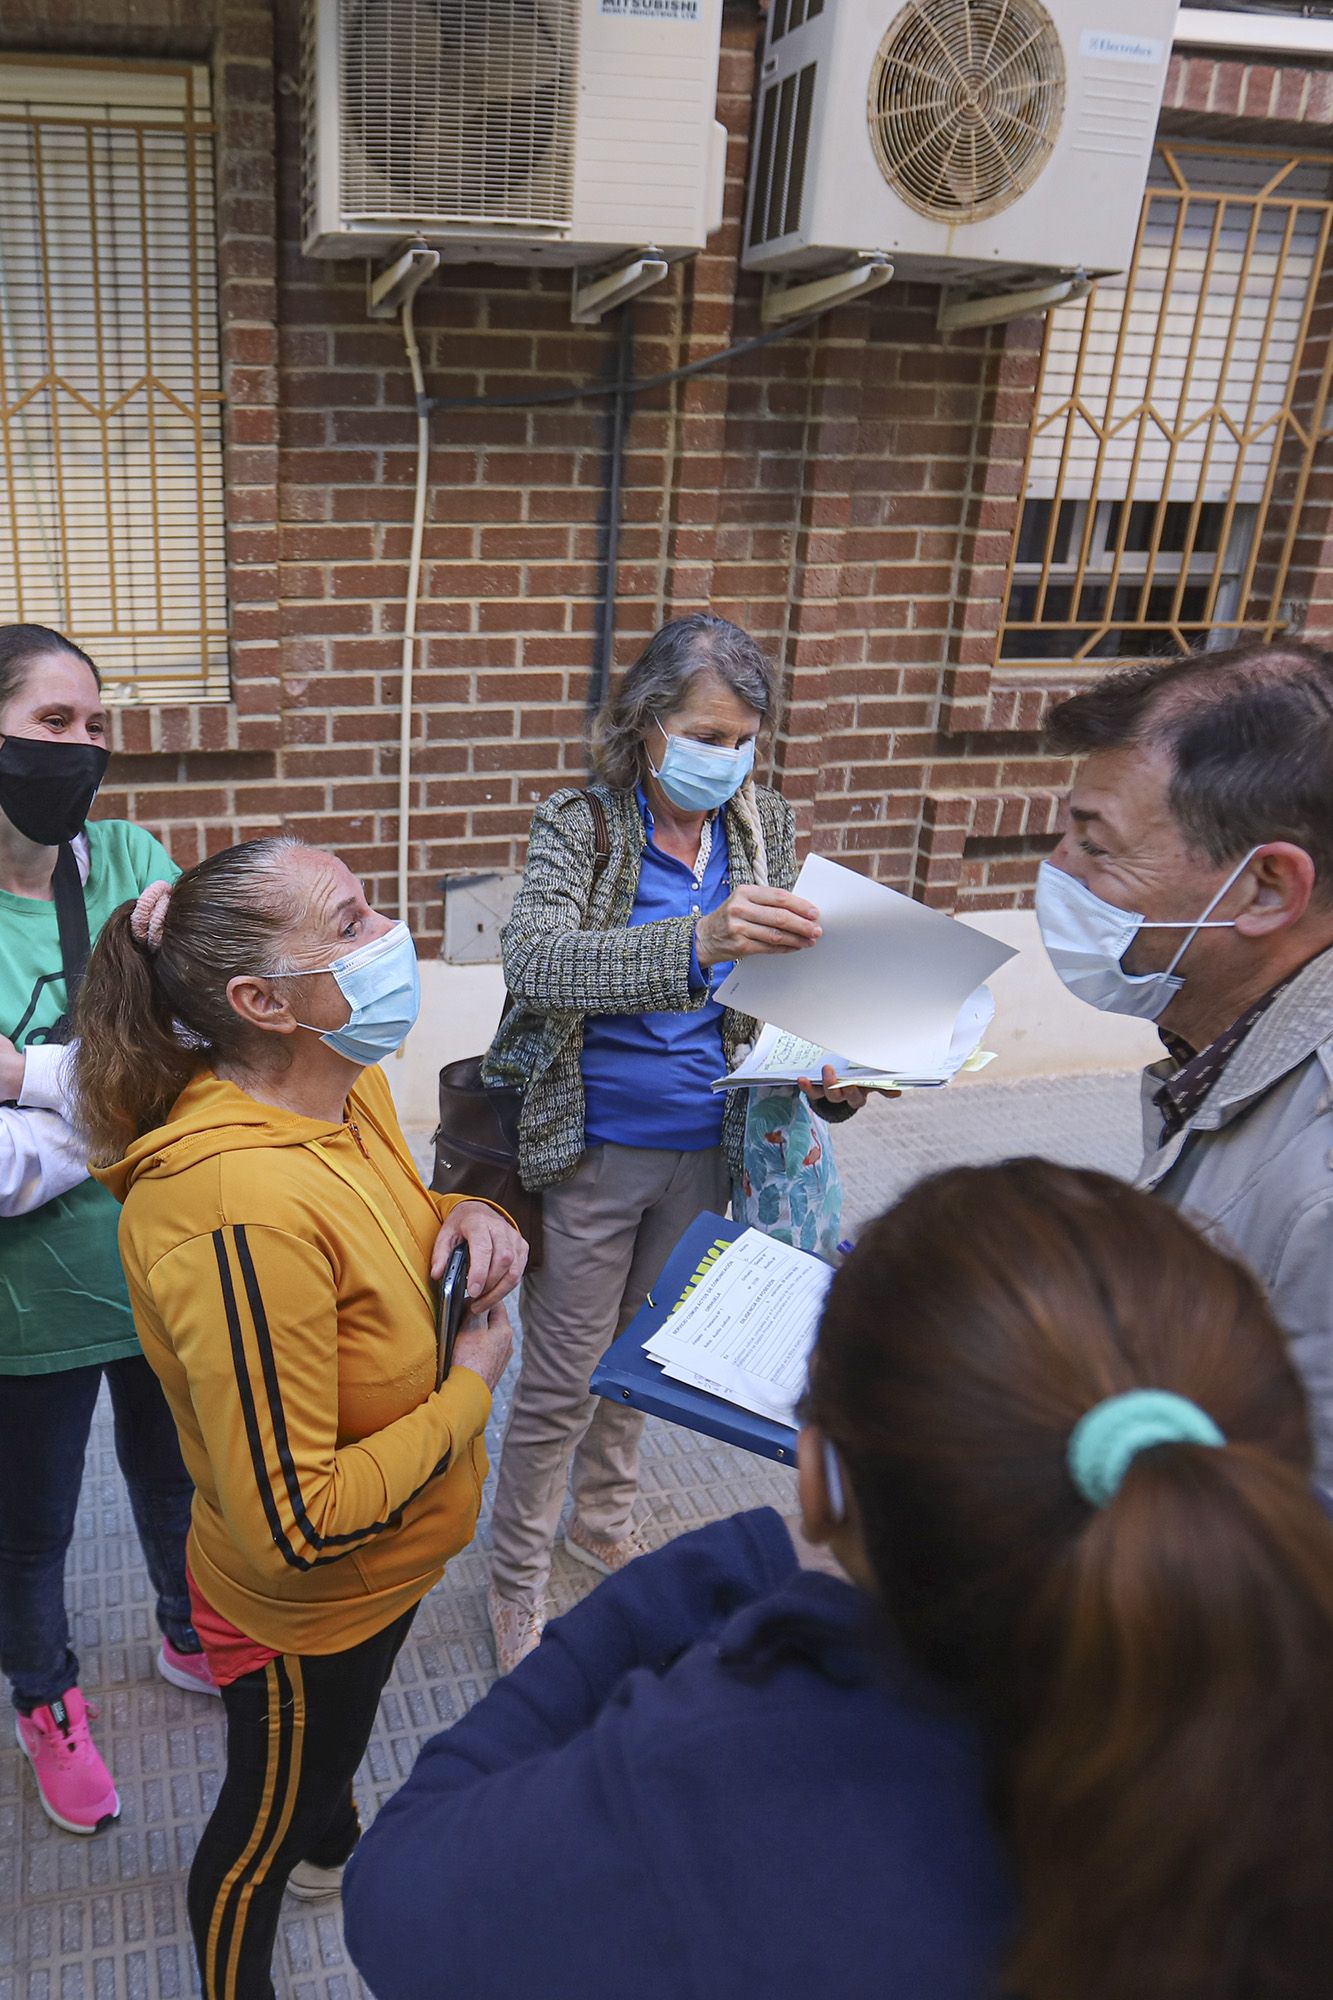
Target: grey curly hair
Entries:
(655, 686)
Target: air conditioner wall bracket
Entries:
(962, 310)
(389, 288)
(594, 294)
(787, 299)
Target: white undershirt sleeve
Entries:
(40, 1157)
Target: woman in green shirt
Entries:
(64, 1315)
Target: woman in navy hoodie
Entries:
(1066, 1732)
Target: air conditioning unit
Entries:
(966, 140)
(511, 131)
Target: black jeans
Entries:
(296, 1731)
(44, 1426)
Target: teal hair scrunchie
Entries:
(1108, 1437)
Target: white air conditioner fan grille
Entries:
(459, 111)
(966, 98)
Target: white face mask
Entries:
(381, 984)
(1086, 939)
(698, 777)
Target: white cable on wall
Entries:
(411, 598)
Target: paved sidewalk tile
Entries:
(104, 1918)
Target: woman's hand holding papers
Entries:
(830, 1091)
(755, 919)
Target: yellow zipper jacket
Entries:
(278, 1271)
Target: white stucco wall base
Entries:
(1039, 1030)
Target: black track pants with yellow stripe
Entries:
(296, 1731)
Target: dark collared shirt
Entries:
(1180, 1096)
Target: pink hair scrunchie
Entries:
(149, 914)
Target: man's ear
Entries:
(1284, 879)
(260, 1004)
(819, 1485)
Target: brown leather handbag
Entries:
(476, 1140)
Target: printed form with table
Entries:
(892, 996)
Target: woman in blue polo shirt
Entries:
(616, 1039)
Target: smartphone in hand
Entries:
(452, 1311)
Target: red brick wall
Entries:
(850, 494)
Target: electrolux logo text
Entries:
(1121, 48)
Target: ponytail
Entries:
(1172, 1796)
(153, 1011)
(1154, 1676)
(130, 1064)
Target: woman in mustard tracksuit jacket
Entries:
(279, 1248)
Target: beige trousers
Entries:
(608, 1230)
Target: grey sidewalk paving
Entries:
(104, 1919)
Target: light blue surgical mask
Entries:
(1086, 939)
(381, 984)
(698, 777)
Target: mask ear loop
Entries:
(837, 1493)
(657, 725)
(1224, 924)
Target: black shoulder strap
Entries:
(601, 853)
(72, 923)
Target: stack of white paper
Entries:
(884, 984)
(779, 1057)
(746, 1330)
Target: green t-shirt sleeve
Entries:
(124, 859)
(148, 858)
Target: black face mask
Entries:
(47, 789)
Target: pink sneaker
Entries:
(73, 1783)
(186, 1670)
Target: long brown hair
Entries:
(678, 653)
(1155, 1676)
(147, 1021)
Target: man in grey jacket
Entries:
(1193, 886)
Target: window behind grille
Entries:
(111, 490)
(1179, 411)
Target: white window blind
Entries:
(111, 487)
(1175, 380)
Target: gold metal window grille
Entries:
(111, 482)
(1179, 411)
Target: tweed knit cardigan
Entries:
(569, 952)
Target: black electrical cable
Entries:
(578, 392)
(622, 389)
